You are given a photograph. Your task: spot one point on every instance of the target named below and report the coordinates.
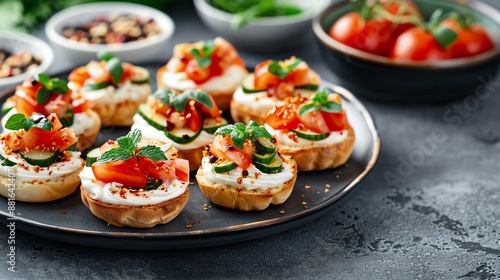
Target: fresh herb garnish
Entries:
(128, 149)
(19, 121)
(239, 132)
(320, 102)
(179, 101)
(204, 58)
(68, 118)
(113, 64)
(281, 72)
(49, 85)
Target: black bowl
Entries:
(384, 79)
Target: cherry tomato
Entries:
(223, 147)
(418, 44)
(401, 8)
(471, 41)
(372, 36)
(197, 74)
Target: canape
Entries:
(36, 162)
(213, 66)
(242, 169)
(312, 129)
(44, 95)
(187, 121)
(117, 88)
(129, 182)
(270, 83)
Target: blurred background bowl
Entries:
(16, 42)
(153, 48)
(384, 79)
(266, 34)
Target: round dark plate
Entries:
(68, 220)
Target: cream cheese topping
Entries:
(228, 81)
(113, 193)
(284, 140)
(26, 172)
(255, 179)
(111, 95)
(149, 132)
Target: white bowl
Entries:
(17, 42)
(269, 34)
(149, 49)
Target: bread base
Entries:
(321, 157)
(241, 113)
(193, 156)
(243, 199)
(146, 216)
(42, 190)
(86, 139)
(121, 113)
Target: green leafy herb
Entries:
(128, 149)
(239, 132)
(320, 102)
(68, 118)
(19, 121)
(204, 57)
(281, 72)
(179, 102)
(42, 95)
(105, 55)
(55, 85)
(115, 68)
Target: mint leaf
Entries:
(135, 135)
(115, 154)
(166, 96)
(115, 68)
(44, 79)
(59, 86)
(126, 143)
(153, 152)
(15, 122)
(105, 55)
(37, 120)
(204, 60)
(307, 108)
(179, 102)
(257, 131)
(320, 102)
(282, 72)
(332, 107)
(42, 95)
(224, 130)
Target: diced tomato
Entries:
(197, 74)
(283, 117)
(27, 106)
(281, 90)
(127, 174)
(164, 170)
(28, 88)
(176, 119)
(299, 76)
(128, 70)
(78, 76)
(182, 169)
(223, 147)
(82, 105)
(57, 107)
(214, 112)
(315, 122)
(193, 118)
(262, 78)
(98, 72)
(335, 121)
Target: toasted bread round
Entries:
(51, 189)
(244, 114)
(87, 138)
(243, 199)
(321, 157)
(146, 216)
(193, 156)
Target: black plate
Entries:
(68, 220)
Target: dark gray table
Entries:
(437, 217)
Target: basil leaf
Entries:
(153, 152)
(115, 68)
(44, 79)
(332, 107)
(15, 122)
(180, 101)
(105, 55)
(208, 48)
(166, 96)
(114, 154)
(42, 123)
(28, 123)
(291, 67)
(308, 108)
(203, 62)
(257, 131)
(42, 95)
(59, 86)
(238, 138)
(68, 118)
(275, 69)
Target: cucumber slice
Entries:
(210, 125)
(6, 162)
(92, 87)
(40, 158)
(308, 87)
(311, 135)
(182, 135)
(265, 146)
(92, 156)
(155, 120)
(7, 106)
(223, 166)
(248, 85)
(262, 158)
(140, 76)
(153, 184)
(275, 166)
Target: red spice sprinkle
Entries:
(64, 212)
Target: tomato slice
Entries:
(335, 121)
(283, 117)
(81, 105)
(98, 72)
(197, 74)
(262, 78)
(214, 112)
(121, 172)
(193, 118)
(27, 105)
(78, 76)
(315, 122)
(164, 170)
(223, 147)
(181, 169)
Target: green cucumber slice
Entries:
(311, 135)
(248, 86)
(92, 156)
(40, 158)
(223, 166)
(153, 184)
(210, 125)
(140, 76)
(155, 120)
(265, 146)
(275, 166)
(7, 106)
(6, 162)
(262, 158)
(92, 87)
(308, 87)
(182, 135)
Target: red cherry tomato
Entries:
(418, 44)
(471, 41)
(401, 8)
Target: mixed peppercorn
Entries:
(13, 64)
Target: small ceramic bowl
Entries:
(16, 42)
(149, 49)
(264, 35)
(389, 80)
